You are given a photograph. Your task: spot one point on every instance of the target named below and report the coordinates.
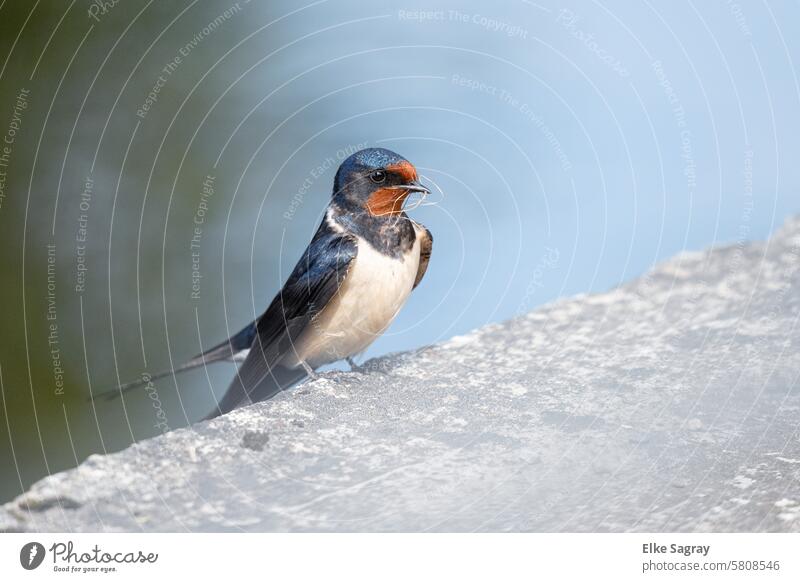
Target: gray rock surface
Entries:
(669, 404)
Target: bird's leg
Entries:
(311, 373)
(353, 366)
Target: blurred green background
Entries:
(168, 163)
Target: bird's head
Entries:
(377, 181)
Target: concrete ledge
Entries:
(669, 404)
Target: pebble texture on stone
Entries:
(669, 404)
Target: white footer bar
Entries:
(379, 557)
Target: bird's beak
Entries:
(414, 186)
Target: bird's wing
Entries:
(228, 349)
(425, 248)
(315, 280)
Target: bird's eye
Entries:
(378, 176)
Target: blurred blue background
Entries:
(170, 161)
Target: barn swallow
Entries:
(358, 271)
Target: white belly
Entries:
(374, 291)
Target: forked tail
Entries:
(220, 352)
(146, 379)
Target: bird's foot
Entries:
(353, 366)
(311, 373)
